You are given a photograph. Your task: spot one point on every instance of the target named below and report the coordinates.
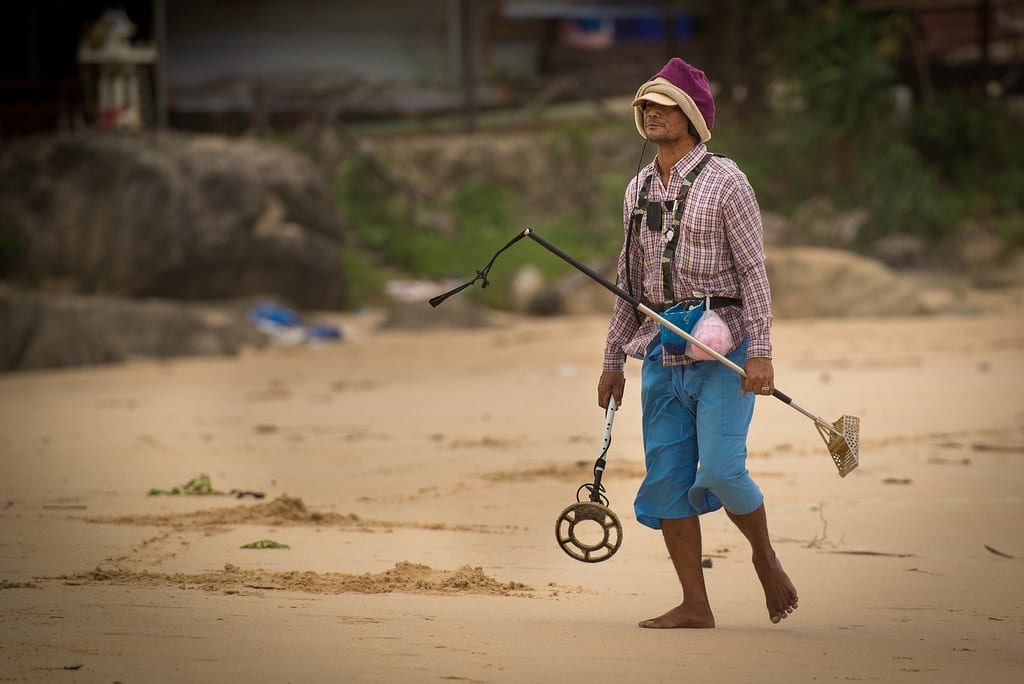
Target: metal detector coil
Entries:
(592, 546)
(589, 515)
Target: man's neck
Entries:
(669, 156)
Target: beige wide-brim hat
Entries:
(663, 92)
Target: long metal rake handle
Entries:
(650, 313)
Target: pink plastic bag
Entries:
(712, 331)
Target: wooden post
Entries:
(984, 40)
(160, 66)
(468, 71)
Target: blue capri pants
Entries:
(695, 423)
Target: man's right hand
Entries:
(610, 384)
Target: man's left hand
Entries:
(760, 376)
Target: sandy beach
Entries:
(416, 477)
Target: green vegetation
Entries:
(264, 544)
(12, 246)
(838, 134)
(390, 240)
(365, 280)
(199, 486)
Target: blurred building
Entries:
(409, 58)
(237, 65)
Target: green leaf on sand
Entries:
(196, 486)
(265, 544)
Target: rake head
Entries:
(843, 440)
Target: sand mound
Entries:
(284, 511)
(405, 577)
(580, 470)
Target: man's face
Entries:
(664, 124)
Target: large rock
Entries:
(455, 312)
(822, 282)
(574, 293)
(169, 215)
(47, 330)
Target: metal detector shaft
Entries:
(606, 442)
(650, 313)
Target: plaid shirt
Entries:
(720, 252)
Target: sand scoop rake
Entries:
(842, 437)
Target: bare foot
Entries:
(779, 592)
(683, 616)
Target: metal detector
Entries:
(600, 533)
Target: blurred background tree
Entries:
(852, 114)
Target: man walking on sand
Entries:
(693, 232)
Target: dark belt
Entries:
(716, 303)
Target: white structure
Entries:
(120, 69)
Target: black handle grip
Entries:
(595, 490)
(434, 301)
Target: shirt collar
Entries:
(690, 160)
(684, 165)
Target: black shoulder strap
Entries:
(637, 217)
(672, 233)
(634, 226)
(641, 203)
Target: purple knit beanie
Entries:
(682, 85)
